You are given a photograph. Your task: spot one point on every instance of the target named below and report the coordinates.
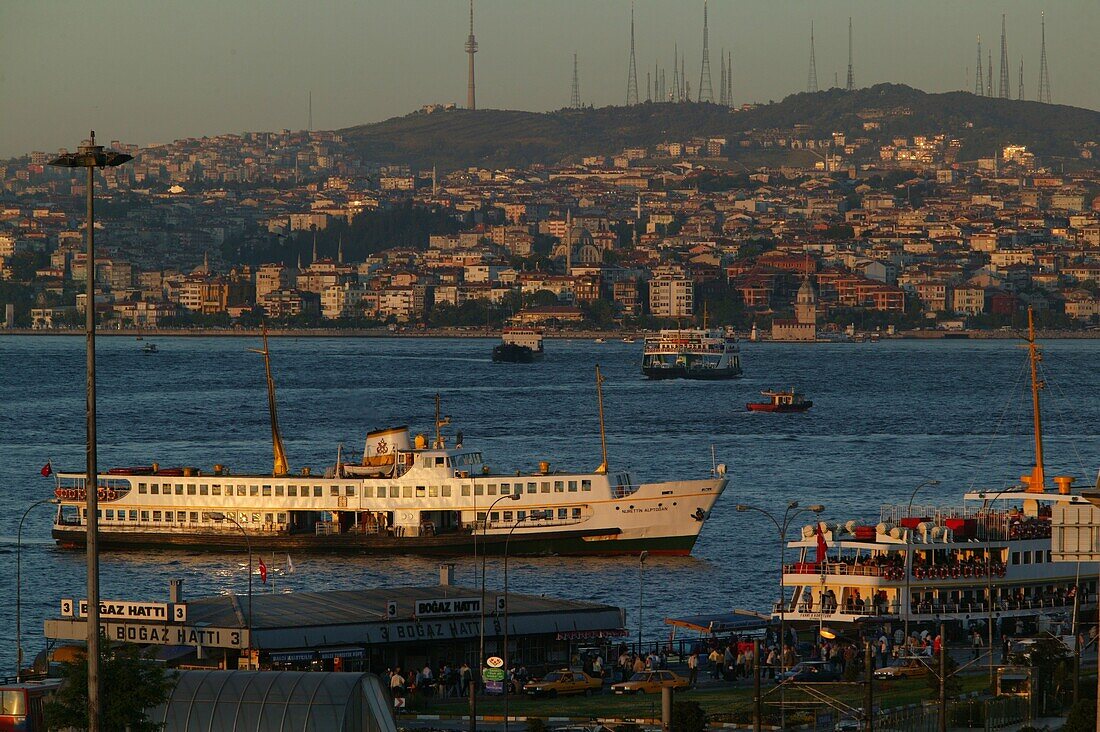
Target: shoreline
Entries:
(608, 335)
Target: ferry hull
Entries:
(682, 372)
(594, 542)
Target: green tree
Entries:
(132, 686)
(953, 684)
(688, 716)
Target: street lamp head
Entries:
(817, 508)
(515, 496)
(792, 504)
(642, 557)
(743, 507)
(215, 515)
(827, 633)
(933, 482)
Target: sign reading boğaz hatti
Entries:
(123, 610)
(176, 635)
(447, 606)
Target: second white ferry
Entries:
(409, 494)
(692, 353)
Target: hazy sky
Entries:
(152, 70)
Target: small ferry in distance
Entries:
(692, 353)
(149, 348)
(518, 345)
(782, 402)
(410, 494)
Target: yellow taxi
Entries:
(650, 682)
(564, 683)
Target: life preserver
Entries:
(1000, 570)
(955, 573)
(111, 495)
(101, 493)
(968, 571)
(919, 572)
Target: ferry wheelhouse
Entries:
(986, 560)
(692, 353)
(405, 496)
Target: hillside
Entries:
(503, 138)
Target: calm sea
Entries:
(886, 416)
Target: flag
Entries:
(47, 470)
(289, 565)
(822, 547)
(263, 571)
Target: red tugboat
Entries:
(781, 401)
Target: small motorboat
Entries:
(781, 401)
(149, 348)
(628, 339)
(599, 340)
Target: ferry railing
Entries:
(843, 569)
(979, 606)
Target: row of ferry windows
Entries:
(111, 514)
(392, 491)
(536, 515)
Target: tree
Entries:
(953, 684)
(688, 716)
(132, 686)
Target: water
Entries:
(886, 416)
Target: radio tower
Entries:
(851, 81)
(979, 87)
(675, 72)
(1044, 75)
(471, 49)
(1004, 91)
(1020, 86)
(632, 73)
(722, 91)
(989, 79)
(575, 97)
(811, 83)
(729, 80)
(706, 91)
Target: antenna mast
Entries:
(471, 49)
(632, 73)
(979, 86)
(1004, 91)
(851, 80)
(1037, 483)
(706, 91)
(602, 470)
(1044, 75)
(811, 83)
(575, 97)
(280, 468)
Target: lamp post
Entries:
(219, 516)
(481, 641)
(989, 583)
(909, 557)
(91, 156)
(641, 564)
(507, 665)
(789, 514)
(19, 587)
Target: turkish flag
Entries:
(263, 571)
(822, 547)
(47, 470)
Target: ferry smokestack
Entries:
(446, 575)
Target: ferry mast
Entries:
(280, 468)
(1037, 482)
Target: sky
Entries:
(152, 71)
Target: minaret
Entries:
(811, 83)
(706, 91)
(979, 86)
(1044, 75)
(632, 72)
(471, 49)
(1004, 91)
(851, 80)
(340, 251)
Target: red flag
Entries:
(47, 470)
(822, 547)
(263, 571)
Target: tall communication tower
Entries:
(851, 80)
(706, 91)
(722, 90)
(811, 82)
(1020, 86)
(1004, 91)
(729, 79)
(471, 49)
(1044, 75)
(989, 78)
(675, 72)
(979, 86)
(575, 97)
(632, 73)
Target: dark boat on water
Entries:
(518, 345)
(782, 402)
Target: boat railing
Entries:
(816, 610)
(980, 606)
(842, 568)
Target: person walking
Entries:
(976, 642)
(715, 659)
(693, 669)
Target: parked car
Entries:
(809, 671)
(904, 668)
(650, 682)
(563, 683)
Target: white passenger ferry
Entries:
(405, 496)
(692, 353)
(988, 559)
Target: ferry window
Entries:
(1015, 557)
(266, 490)
(1039, 557)
(559, 486)
(576, 513)
(292, 491)
(84, 513)
(144, 515)
(521, 515)
(406, 491)
(494, 516)
(279, 490)
(317, 492)
(194, 517)
(334, 490)
(1027, 557)
(282, 518)
(572, 486)
(563, 513)
(480, 515)
(179, 489)
(110, 514)
(586, 485)
(255, 518)
(395, 491)
(545, 487)
(154, 489)
(204, 490)
(133, 515)
(532, 487)
(420, 491)
(253, 490)
(433, 491)
(440, 461)
(1048, 555)
(267, 518)
(241, 490)
(479, 489)
(381, 491)
(156, 515)
(446, 491)
(142, 488)
(505, 489)
(508, 517)
(190, 489)
(215, 490)
(492, 489)
(349, 490)
(181, 515)
(465, 490)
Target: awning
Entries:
(592, 634)
(718, 623)
(318, 654)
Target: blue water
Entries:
(886, 416)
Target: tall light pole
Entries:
(481, 635)
(789, 515)
(219, 516)
(91, 156)
(909, 557)
(507, 665)
(19, 587)
(989, 583)
(641, 564)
